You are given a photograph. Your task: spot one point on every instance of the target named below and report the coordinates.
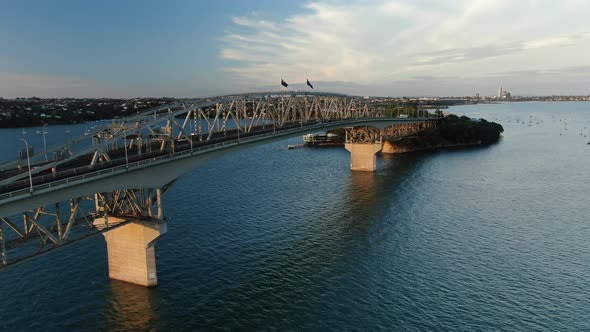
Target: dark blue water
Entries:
(492, 238)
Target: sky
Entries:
(184, 48)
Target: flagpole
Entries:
(284, 88)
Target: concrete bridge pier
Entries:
(363, 143)
(131, 221)
(363, 156)
(131, 251)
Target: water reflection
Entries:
(332, 249)
(371, 192)
(363, 189)
(293, 274)
(132, 308)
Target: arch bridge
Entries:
(111, 181)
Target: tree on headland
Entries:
(466, 130)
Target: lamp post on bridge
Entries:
(238, 124)
(125, 142)
(44, 142)
(273, 122)
(29, 165)
(301, 120)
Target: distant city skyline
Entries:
(68, 48)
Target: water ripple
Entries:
(275, 239)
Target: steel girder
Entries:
(59, 224)
(375, 135)
(199, 121)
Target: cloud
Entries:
(559, 72)
(253, 23)
(488, 51)
(464, 54)
(519, 73)
(14, 84)
(379, 41)
(40, 81)
(555, 41)
(431, 77)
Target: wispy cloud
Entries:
(14, 84)
(561, 72)
(555, 41)
(387, 40)
(254, 23)
(502, 49)
(438, 78)
(46, 82)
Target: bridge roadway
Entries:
(156, 169)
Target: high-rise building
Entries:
(500, 92)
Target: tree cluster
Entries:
(466, 130)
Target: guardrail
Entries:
(138, 164)
(111, 170)
(85, 172)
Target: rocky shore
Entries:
(419, 143)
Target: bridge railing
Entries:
(88, 174)
(110, 170)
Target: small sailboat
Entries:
(86, 132)
(24, 132)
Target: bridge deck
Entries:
(72, 173)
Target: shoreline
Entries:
(403, 149)
(396, 148)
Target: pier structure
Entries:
(364, 142)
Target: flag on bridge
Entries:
(309, 84)
(283, 83)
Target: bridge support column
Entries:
(131, 251)
(363, 156)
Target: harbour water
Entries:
(488, 238)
